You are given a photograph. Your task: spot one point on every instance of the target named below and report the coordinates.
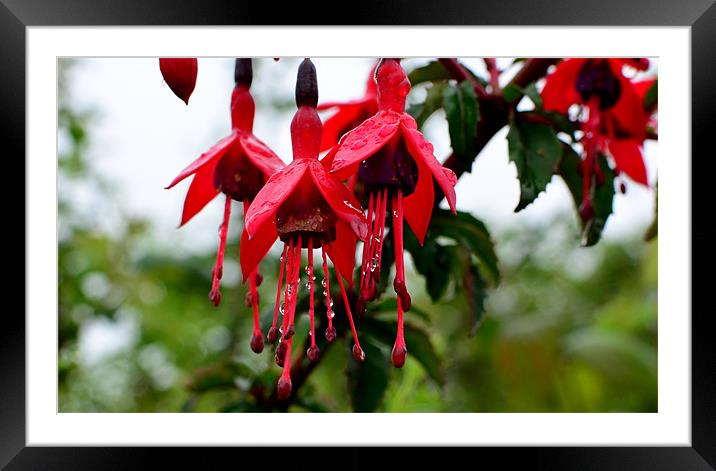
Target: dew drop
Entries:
(385, 132)
(358, 144)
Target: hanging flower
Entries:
(237, 166)
(612, 113)
(180, 75)
(349, 114)
(396, 167)
(306, 207)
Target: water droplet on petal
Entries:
(358, 144)
(385, 132)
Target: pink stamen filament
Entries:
(296, 283)
(313, 352)
(217, 273)
(257, 341)
(399, 350)
(379, 249)
(330, 331)
(272, 335)
(358, 353)
(283, 388)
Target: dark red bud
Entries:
(402, 291)
(358, 353)
(215, 297)
(306, 84)
(622, 188)
(250, 299)
(313, 353)
(398, 355)
(283, 388)
(330, 334)
(272, 335)
(180, 75)
(259, 278)
(243, 72)
(257, 342)
(290, 330)
(586, 210)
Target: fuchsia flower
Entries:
(397, 167)
(180, 75)
(349, 114)
(237, 166)
(306, 207)
(612, 112)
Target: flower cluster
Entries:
(372, 143)
(611, 110)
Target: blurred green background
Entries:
(567, 329)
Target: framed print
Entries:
(433, 225)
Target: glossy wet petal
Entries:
(419, 148)
(260, 154)
(274, 192)
(629, 110)
(364, 141)
(628, 157)
(560, 91)
(341, 201)
(200, 192)
(218, 150)
(418, 207)
(252, 251)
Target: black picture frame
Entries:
(16, 15)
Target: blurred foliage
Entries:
(561, 327)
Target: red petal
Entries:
(260, 154)
(252, 251)
(277, 188)
(421, 149)
(335, 126)
(218, 150)
(201, 191)
(418, 207)
(628, 157)
(629, 110)
(180, 75)
(560, 91)
(341, 201)
(327, 160)
(342, 251)
(364, 141)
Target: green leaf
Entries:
(368, 380)
(652, 95)
(391, 305)
(561, 123)
(533, 94)
(433, 102)
(467, 229)
(476, 292)
(428, 73)
(601, 199)
(535, 150)
(433, 261)
(417, 342)
(511, 93)
(461, 109)
(219, 375)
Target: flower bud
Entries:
(307, 85)
(243, 72)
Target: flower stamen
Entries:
(217, 273)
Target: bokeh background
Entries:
(568, 328)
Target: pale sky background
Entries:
(144, 135)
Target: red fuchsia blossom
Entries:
(306, 207)
(349, 114)
(396, 166)
(238, 166)
(612, 113)
(180, 75)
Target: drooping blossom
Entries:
(237, 166)
(396, 167)
(612, 115)
(306, 207)
(180, 75)
(349, 114)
